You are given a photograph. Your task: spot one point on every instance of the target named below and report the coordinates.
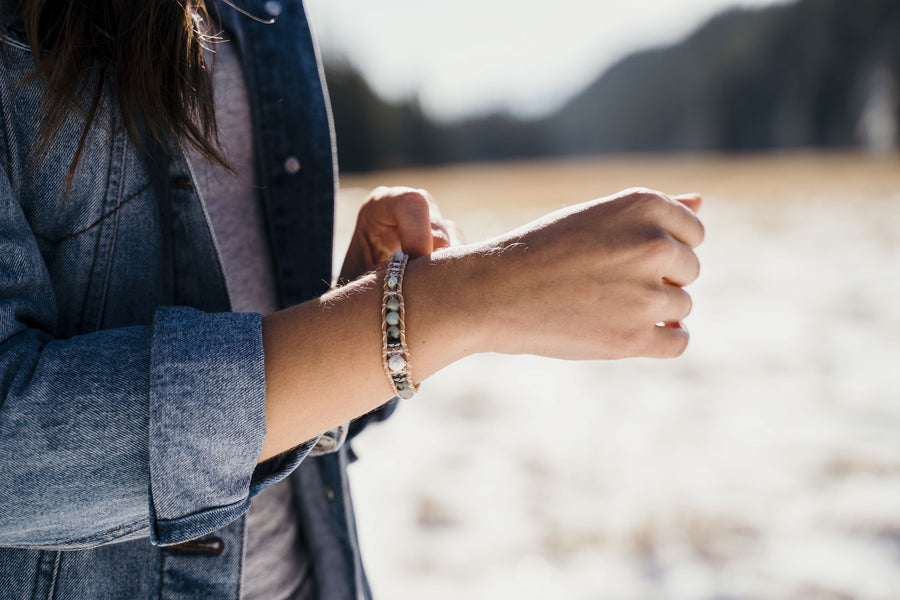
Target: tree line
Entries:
(787, 76)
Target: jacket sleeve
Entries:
(140, 431)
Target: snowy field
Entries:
(764, 464)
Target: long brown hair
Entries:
(151, 51)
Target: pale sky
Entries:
(465, 57)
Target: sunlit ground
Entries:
(763, 464)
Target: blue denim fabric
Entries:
(132, 402)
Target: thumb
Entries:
(692, 201)
(412, 214)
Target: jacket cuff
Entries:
(207, 421)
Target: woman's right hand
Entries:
(598, 280)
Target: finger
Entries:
(370, 257)
(440, 237)
(445, 232)
(667, 341)
(355, 261)
(400, 220)
(692, 201)
(683, 224)
(678, 305)
(685, 266)
(433, 207)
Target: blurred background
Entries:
(764, 463)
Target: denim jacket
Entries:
(132, 402)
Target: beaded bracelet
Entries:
(394, 351)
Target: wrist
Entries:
(443, 322)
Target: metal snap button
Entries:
(273, 8)
(292, 165)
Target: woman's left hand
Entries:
(392, 219)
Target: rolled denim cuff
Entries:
(207, 421)
(277, 468)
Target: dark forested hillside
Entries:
(803, 74)
(797, 75)
(374, 134)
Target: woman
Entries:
(169, 345)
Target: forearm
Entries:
(599, 280)
(323, 357)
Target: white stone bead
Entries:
(396, 363)
(392, 318)
(392, 304)
(392, 282)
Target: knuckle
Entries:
(425, 194)
(638, 192)
(658, 300)
(659, 246)
(376, 197)
(645, 200)
(414, 200)
(649, 303)
(415, 196)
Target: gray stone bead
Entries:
(392, 304)
(392, 282)
(392, 318)
(393, 332)
(406, 393)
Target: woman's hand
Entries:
(392, 219)
(598, 280)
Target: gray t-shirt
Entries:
(275, 564)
